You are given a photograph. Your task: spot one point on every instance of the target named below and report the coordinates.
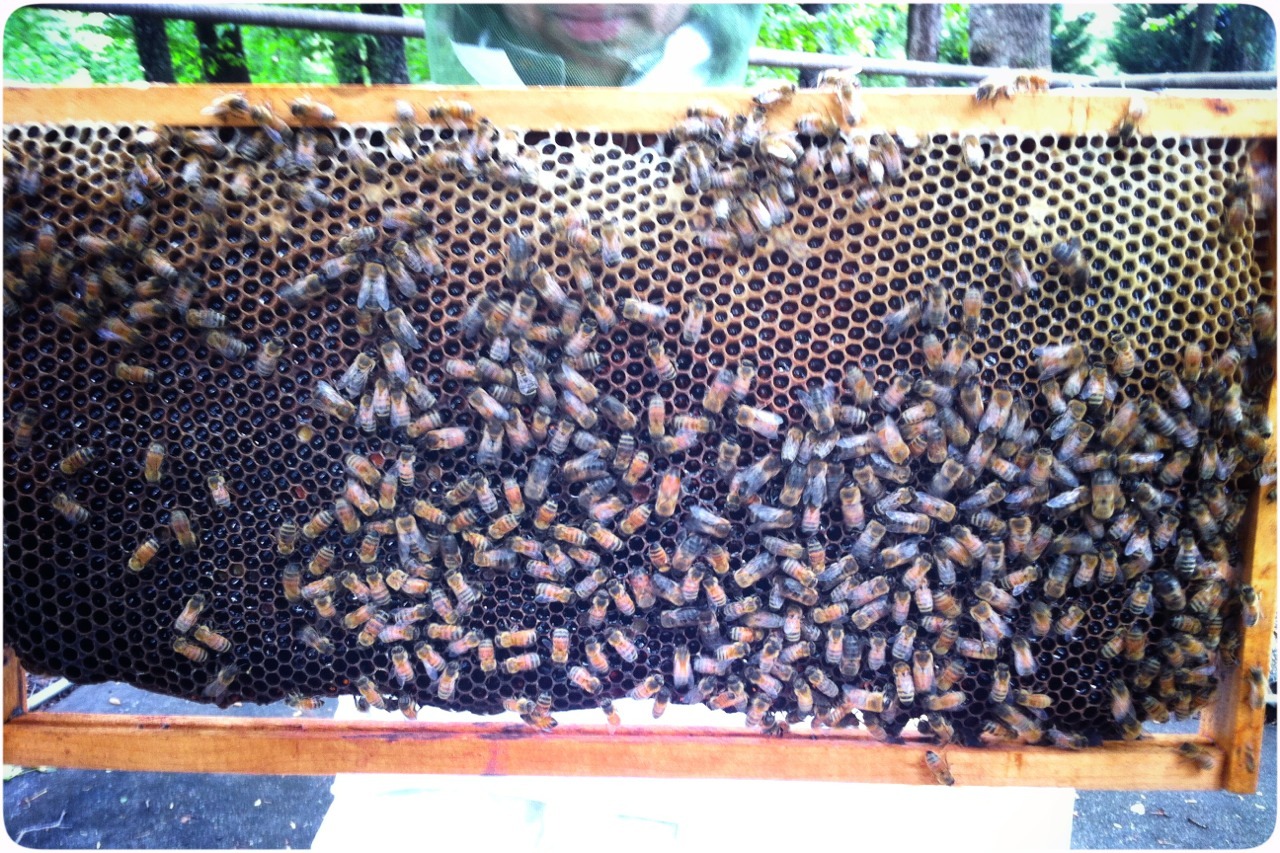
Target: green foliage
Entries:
(1158, 38)
(953, 46)
(288, 56)
(859, 29)
(1152, 38)
(415, 50)
(45, 46)
(1071, 42)
(185, 51)
(1248, 39)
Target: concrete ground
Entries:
(59, 808)
(90, 809)
(1192, 820)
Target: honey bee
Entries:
(718, 391)
(972, 307)
(77, 460)
(1023, 661)
(308, 110)
(635, 519)
(596, 659)
(1003, 84)
(1237, 212)
(186, 620)
(24, 429)
(456, 115)
(604, 537)
(581, 678)
(446, 438)
(547, 593)
(1134, 113)
(1019, 275)
(189, 650)
(216, 688)
(939, 767)
(1249, 609)
(182, 531)
(268, 357)
(662, 364)
(307, 287)
(1071, 620)
(233, 105)
(218, 492)
(134, 373)
(370, 693)
(598, 610)
(1197, 755)
(846, 85)
(314, 640)
(971, 149)
(226, 345)
(1257, 688)
(546, 514)
(212, 639)
(759, 421)
(694, 318)
(611, 245)
(69, 509)
(668, 493)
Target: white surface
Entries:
(565, 814)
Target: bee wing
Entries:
(366, 287)
(407, 286)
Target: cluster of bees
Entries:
(961, 521)
(918, 546)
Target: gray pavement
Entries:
(126, 810)
(1190, 820)
(61, 808)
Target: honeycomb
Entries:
(982, 332)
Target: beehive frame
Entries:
(290, 746)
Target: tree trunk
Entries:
(386, 53)
(809, 76)
(924, 29)
(1202, 41)
(348, 61)
(152, 42)
(1012, 36)
(222, 53)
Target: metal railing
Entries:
(390, 25)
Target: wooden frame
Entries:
(1070, 111)
(1228, 730)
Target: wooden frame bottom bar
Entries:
(306, 747)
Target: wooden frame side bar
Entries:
(15, 685)
(289, 746)
(1063, 111)
(1232, 722)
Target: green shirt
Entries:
(470, 45)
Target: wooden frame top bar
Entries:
(1189, 113)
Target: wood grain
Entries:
(1231, 722)
(287, 746)
(1071, 111)
(15, 685)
